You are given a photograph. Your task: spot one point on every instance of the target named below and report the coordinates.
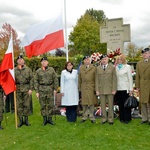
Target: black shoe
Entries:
(111, 123)
(103, 122)
(82, 121)
(26, 121)
(93, 121)
(149, 123)
(142, 122)
(44, 120)
(12, 111)
(1, 128)
(50, 121)
(121, 121)
(21, 122)
(126, 122)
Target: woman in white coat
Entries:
(124, 87)
(69, 91)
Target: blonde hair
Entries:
(122, 57)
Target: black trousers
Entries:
(124, 113)
(71, 113)
(9, 103)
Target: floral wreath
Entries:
(113, 54)
(95, 57)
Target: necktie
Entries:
(104, 67)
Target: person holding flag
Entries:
(24, 87)
(7, 82)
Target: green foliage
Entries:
(135, 60)
(86, 36)
(59, 62)
(98, 15)
(74, 136)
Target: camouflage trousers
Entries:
(46, 101)
(23, 104)
(1, 105)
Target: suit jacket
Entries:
(106, 81)
(143, 80)
(86, 83)
(124, 78)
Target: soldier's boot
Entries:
(44, 120)
(21, 122)
(1, 128)
(50, 121)
(26, 121)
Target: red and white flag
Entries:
(43, 37)
(7, 79)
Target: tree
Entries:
(97, 15)
(86, 36)
(5, 34)
(133, 51)
(59, 52)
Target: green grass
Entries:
(73, 136)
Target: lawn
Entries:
(73, 136)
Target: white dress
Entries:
(69, 86)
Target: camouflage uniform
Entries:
(45, 82)
(1, 106)
(24, 83)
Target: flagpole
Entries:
(15, 103)
(66, 39)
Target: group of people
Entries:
(106, 81)
(45, 84)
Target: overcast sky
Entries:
(21, 14)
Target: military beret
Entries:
(85, 57)
(20, 56)
(103, 56)
(44, 58)
(145, 50)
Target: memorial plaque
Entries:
(115, 33)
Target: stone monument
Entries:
(115, 33)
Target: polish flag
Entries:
(7, 79)
(43, 37)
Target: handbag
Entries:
(131, 102)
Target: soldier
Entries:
(46, 84)
(86, 85)
(1, 107)
(24, 87)
(106, 86)
(142, 84)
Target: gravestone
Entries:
(115, 33)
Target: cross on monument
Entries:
(115, 33)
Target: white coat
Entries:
(69, 86)
(124, 78)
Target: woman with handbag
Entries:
(124, 87)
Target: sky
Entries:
(21, 14)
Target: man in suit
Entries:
(106, 85)
(86, 83)
(143, 84)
